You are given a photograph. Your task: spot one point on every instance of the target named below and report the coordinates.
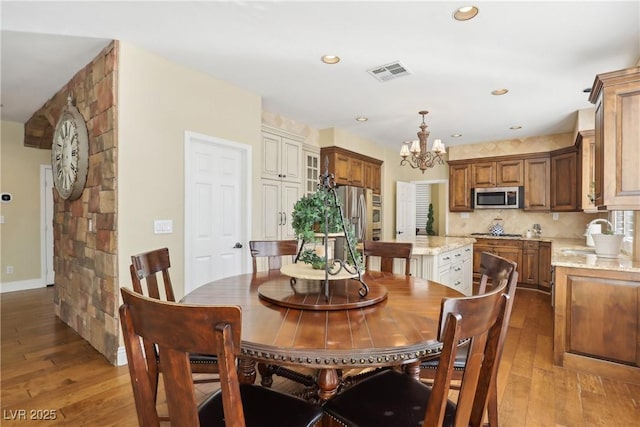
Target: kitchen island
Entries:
(447, 260)
(596, 311)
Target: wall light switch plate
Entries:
(162, 226)
(464, 215)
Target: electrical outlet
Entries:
(9, 269)
(464, 215)
(555, 216)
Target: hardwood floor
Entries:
(47, 369)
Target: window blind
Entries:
(423, 199)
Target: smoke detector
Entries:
(390, 71)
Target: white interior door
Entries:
(405, 210)
(217, 209)
(47, 225)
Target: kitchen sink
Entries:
(578, 251)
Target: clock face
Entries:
(69, 154)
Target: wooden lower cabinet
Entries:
(544, 266)
(597, 321)
(532, 256)
(529, 269)
(509, 249)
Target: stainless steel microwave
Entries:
(498, 198)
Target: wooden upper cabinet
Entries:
(510, 173)
(460, 187)
(506, 173)
(483, 174)
(586, 144)
(565, 180)
(616, 96)
(537, 174)
(350, 168)
(372, 177)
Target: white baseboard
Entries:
(121, 357)
(22, 285)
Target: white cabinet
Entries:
(281, 155)
(311, 168)
(278, 199)
(453, 268)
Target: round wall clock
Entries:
(70, 153)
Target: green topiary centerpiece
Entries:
(319, 213)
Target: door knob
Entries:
(238, 245)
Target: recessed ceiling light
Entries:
(456, 135)
(330, 59)
(499, 91)
(515, 127)
(465, 13)
(362, 119)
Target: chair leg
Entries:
(492, 405)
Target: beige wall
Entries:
(20, 233)
(159, 101)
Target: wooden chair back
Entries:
(480, 319)
(387, 251)
(177, 330)
(274, 250)
(146, 266)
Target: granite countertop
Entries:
(434, 245)
(575, 253)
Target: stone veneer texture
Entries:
(85, 258)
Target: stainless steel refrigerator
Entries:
(354, 206)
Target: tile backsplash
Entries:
(517, 221)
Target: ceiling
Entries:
(545, 53)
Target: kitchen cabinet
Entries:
(566, 172)
(373, 177)
(585, 140)
(506, 248)
(533, 258)
(350, 168)
(311, 168)
(537, 176)
(460, 187)
(281, 155)
(597, 321)
(505, 173)
(544, 266)
(528, 272)
(616, 96)
(278, 199)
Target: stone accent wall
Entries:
(85, 229)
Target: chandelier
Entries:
(415, 154)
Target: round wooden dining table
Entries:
(399, 330)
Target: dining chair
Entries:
(496, 271)
(392, 398)
(178, 330)
(273, 250)
(387, 251)
(152, 267)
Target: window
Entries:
(423, 199)
(623, 224)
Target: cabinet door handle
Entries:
(284, 215)
(280, 215)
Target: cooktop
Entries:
(497, 235)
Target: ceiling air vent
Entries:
(389, 72)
